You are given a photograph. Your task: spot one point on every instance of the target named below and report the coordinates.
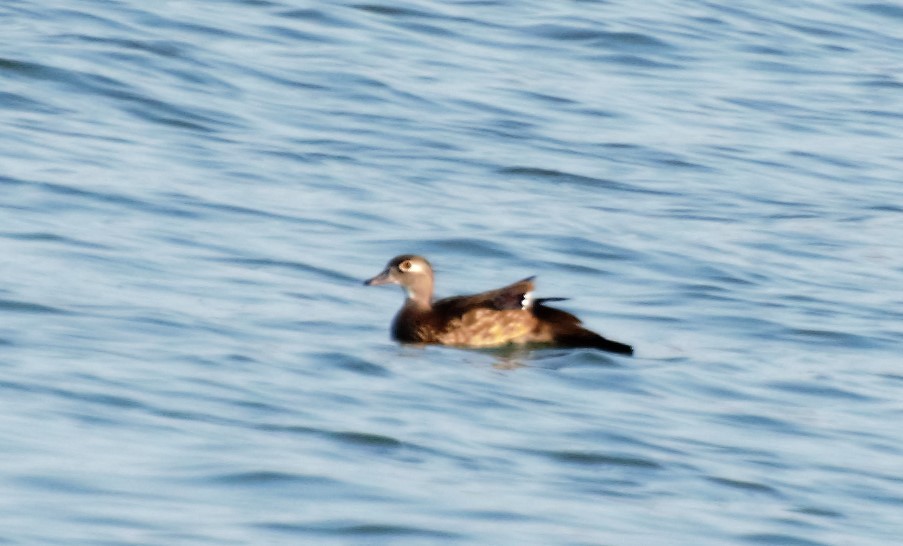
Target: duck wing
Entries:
(517, 295)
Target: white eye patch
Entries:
(414, 267)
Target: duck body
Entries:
(508, 315)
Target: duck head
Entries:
(413, 273)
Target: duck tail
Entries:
(567, 331)
(581, 337)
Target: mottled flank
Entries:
(485, 327)
(504, 316)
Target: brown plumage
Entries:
(508, 315)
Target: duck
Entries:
(496, 318)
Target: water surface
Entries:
(191, 193)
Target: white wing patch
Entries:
(527, 301)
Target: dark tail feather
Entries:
(581, 337)
(567, 331)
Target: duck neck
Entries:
(420, 294)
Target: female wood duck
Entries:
(499, 317)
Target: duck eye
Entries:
(405, 265)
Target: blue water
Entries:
(192, 192)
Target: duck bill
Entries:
(383, 278)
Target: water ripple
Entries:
(14, 306)
(587, 458)
(360, 530)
